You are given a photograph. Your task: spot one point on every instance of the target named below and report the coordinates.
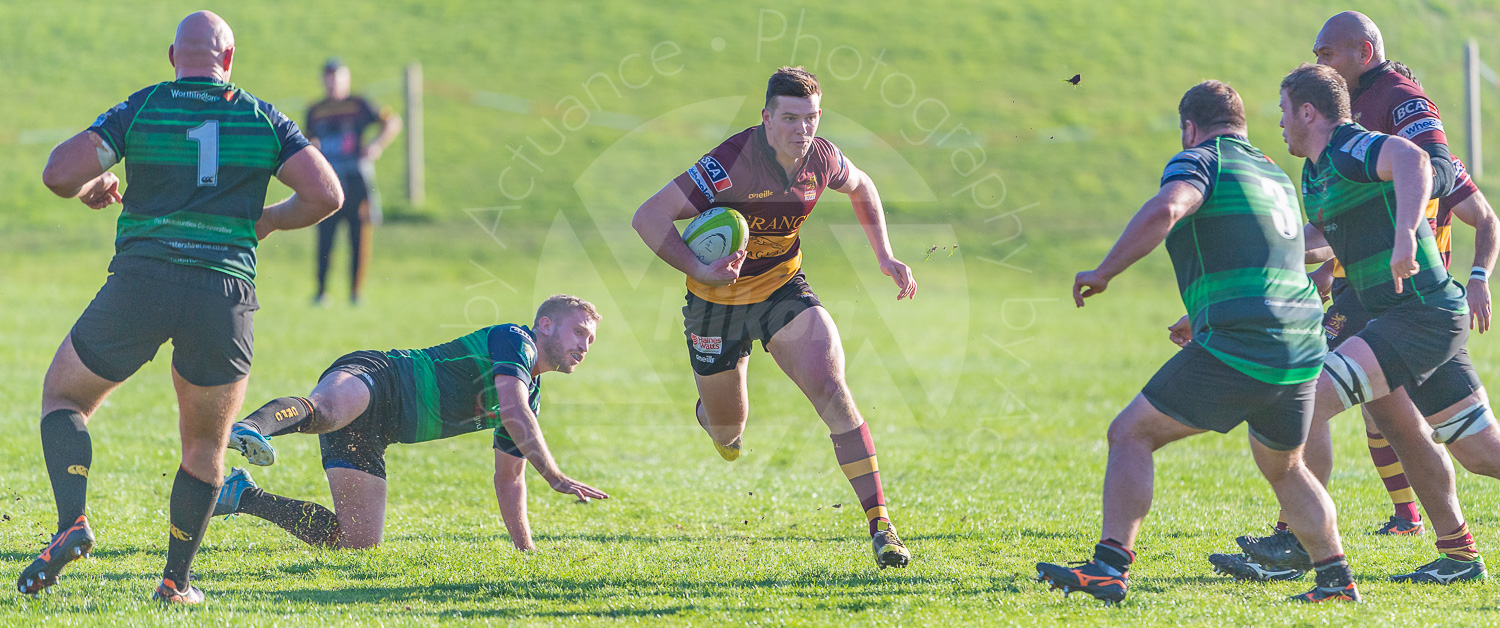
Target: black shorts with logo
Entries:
(719, 335)
(1200, 391)
(361, 444)
(1345, 317)
(208, 316)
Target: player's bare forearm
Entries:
(871, 215)
(1475, 211)
(510, 492)
(1316, 245)
(75, 164)
(1150, 226)
(869, 211)
(316, 194)
(653, 222)
(1402, 163)
(521, 424)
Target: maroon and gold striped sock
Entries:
(1393, 475)
(1458, 544)
(855, 451)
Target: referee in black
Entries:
(198, 154)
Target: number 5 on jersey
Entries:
(207, 137)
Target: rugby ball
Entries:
(716, 234)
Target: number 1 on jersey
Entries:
(207, 137)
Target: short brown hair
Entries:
(559, 305)
(789, 81)
(1320, 86)
(1212, 104)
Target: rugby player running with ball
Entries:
(773, 173)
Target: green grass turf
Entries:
(989, 394)
(991, 444)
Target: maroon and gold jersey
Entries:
(1387, 102)
(743, 174)
(339, 127)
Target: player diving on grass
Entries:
(773, 173)
(368, 400)
(1229, 218)
(198, 152)
(1364, 195)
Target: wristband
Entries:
(1480, 273)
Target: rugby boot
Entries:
(229, 496)
(255, 446)
(168, 593)
(1240, 567)
(1401, 526)
(1346, 593)
(889, 550)
(66, 546)
(1445, 570)
(730, 452)
(1280, 550)
(1092, 577)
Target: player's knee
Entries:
(1125, 430)
(1346, 379)
(1472, 419)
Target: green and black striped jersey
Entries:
(198, 156)
(449, 389)
(1239, 265)
(1345, 197)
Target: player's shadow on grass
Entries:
(725, 534)
(830, 591)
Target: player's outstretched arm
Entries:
(1476, 212)
(79, 167)
(1406, 165)
(510, 491)
(867, 207)
(1147, 230)
(316, 194)
(653, 221)
(520, 423)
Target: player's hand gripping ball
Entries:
(716, 234)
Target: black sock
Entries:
(308, 521)
(69, 451)
(286, 415)
(192, 505)
(1334, 573)
(1114, 554)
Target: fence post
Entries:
(1471, 97)
(416, 192)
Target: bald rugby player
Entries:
(774, 173)
(1386, 99)
(199, 153)
(1365, 195)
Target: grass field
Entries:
(988, 395)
